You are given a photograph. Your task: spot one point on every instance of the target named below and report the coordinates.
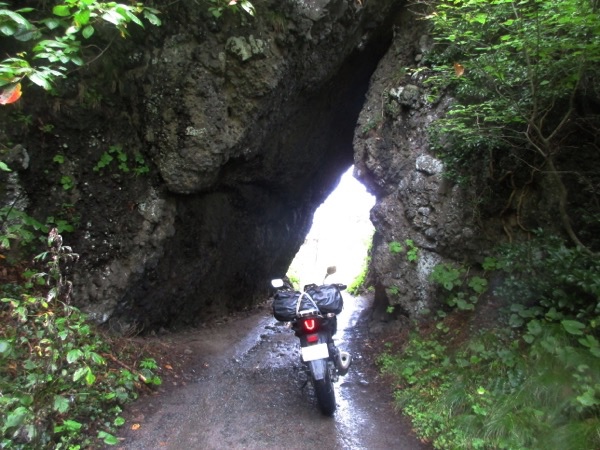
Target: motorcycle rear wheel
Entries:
(325, 395)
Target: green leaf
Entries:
(481, 18)
(90, 378)
(248, 7)
(8, 29)
(72, 425)
(15, 417)
(74, 355)
(15, 17)
(61, 404)
(573, 327)
(131, 16)
(534, 327)
(113, 17)
(40, 80)
(108, 438)
(4, 346)
(589, 341)
(4, 167)
(119, 421)
(152, 18)
(528, 338)
(87, 32)
(478, 284)
(61, 10)
(490, 263)
(395, 247)
(97, 358)
(26, 400)
(79, 373)
(82, 17)
(588, 398)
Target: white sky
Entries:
(340, 235)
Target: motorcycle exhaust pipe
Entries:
(343, 361)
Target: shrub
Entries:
(530, 379)
(58, 388)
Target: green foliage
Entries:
(548, 282)
(67, 182)
(58, 390)
(55, 37)
(529, 379)
(524, 77)
(358, 284)
(218, 7)
(491, 393)
(46, 128)
(372, 124)
(412, 251)
(117, 154)
(393, 290)
(522, 60)
(19, 227)
(464, 289)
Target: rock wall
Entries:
(190, 157)
(506, 201)
(415, 201)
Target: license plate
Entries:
(313, 352)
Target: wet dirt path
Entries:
(243, 390)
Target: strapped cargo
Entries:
(326, 298)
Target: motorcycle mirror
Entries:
(330, 271)
(277, 283)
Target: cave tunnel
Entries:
(247, 230)
(340, 236)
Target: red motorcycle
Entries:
(312, 314)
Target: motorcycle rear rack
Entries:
(313, 313)
(308, 313)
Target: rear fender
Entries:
(318, 368)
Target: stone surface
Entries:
(233, 131)
(414, 200)
(219, 139)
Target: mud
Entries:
(242, 388)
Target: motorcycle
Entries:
(312, 314)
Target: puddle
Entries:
(349, 416)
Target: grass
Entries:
(473, 393)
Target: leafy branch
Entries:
(59, 388)
(218, 7)
(521, 74)
(55, 38)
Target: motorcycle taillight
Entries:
(312, 338)
(310, 325)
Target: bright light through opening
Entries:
(340, 235)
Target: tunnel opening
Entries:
(246, 229)
(340, 235)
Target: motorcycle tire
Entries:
(325, 395)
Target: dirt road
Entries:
(242, 390)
